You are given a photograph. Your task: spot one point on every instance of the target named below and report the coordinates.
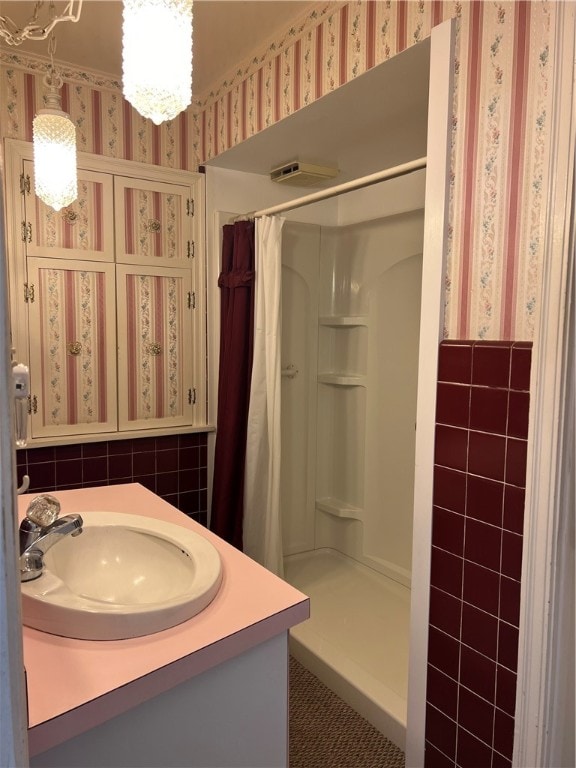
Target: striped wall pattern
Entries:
(155, 307)
(72, 311)
(500, 128)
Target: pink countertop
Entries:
(74, 685)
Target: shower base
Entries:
(356, 640)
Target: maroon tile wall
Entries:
(477, 523)
(174, 467)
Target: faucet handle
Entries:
(43, 510)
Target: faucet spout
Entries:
(36, 540)
(63, 526)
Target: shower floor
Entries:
(356, 640)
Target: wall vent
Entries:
(302, 174)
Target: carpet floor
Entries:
(326, 733)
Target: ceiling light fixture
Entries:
(34, 29)
(54, 137)
(157, 57)
(54, 134)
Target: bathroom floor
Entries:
(359, 626)
(324, 731)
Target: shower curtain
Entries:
(236, 344)
(262, 525)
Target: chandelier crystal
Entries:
(157, 57)
(54, 136)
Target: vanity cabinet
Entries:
(211, 691)
(107, 298)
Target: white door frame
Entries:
(547, 470)
(13, 723)
(442, 42)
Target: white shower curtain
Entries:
(262, 532)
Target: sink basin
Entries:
(123, 576)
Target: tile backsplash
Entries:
(479, 486)
(173, 466)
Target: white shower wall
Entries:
(351, 305)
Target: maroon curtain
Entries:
(236, 283)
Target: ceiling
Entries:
(226, 32)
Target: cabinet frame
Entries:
(16, 153)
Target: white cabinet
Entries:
(107, 298)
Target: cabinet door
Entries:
(72, 347)
(154, 347)
(83, 230)
(153, 222)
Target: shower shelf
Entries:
(342, 379)
(339, 508)
(336, 321)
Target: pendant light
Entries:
(157, 57)
(54, 137)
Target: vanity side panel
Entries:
(234, 714)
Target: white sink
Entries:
(123, 576)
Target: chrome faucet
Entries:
(40, 530)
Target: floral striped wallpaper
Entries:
(500, 128)
(73, 328)
(155, 307)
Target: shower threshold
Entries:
(356, 640)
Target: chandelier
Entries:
(35, 28)
(54, 134)
(54, 137)
(157, 57)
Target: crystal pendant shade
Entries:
(157, 57)
(54, 136)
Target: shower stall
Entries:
(351, 297)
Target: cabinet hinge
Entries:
(32, 404)
(190, 206)
(26, 232)
(191, 249)
(192, 396)
(24, 184)
(191, 300)
(29, 293)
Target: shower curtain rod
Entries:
(348, 186)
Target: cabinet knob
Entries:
(74, 348)
(153, 226)
(154, 348)
(70, 216)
